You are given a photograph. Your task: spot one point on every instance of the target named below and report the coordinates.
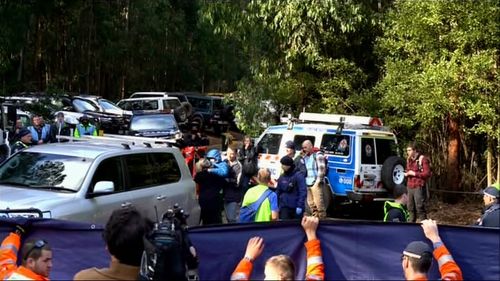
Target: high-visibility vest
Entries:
(390, 205)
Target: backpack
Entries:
(247, 213)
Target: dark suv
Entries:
(210, 112)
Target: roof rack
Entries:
(125, 141)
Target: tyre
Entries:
(198, 120)
(187, 107)
(180, 114)
(392, 173)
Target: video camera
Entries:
(168, 252)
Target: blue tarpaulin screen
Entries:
(352, 250)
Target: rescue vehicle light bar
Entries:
(339, 119)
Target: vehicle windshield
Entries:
(82, 105)
(107, 105)
(218, 104)
(153, 123)
(45, 171)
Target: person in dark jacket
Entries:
(396, 211)
(291, 190)
(25, 141)
(211, 179)
(232, 191)
(491, 212)
(247, 155)
(59, 128)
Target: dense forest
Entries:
(428, 68)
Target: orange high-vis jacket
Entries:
(315, 267)
(8, 261)
(447, 267)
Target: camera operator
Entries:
(123, 234)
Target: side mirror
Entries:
(102, 188)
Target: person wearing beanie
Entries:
(491, 211)
(416, 259)
(396, 211)
(291, 191)
(290, 149)
(25, 141)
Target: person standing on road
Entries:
(247, 155)
(312, 166)
(291, 190)
(491, 211)
(281, 267)
(417, 173)
(268, 210)
(396, 211)
(232, 191)
(25, 141)
(36, 258)
(40, 133)
(416, 259)
(85, 128)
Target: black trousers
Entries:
(288, 214)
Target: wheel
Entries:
(392, 173)
(198, 120)
(180, 114)
(187, 107)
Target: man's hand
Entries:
(40, 142)
(255, 247)
(431, 230)
(310, 224)
(410, 173)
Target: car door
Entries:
(338, 149)
(370, 171)
(102, 206)
(151, 182)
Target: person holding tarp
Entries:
(416, 259)
(281, 267)
(36, 257)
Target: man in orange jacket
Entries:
(281, 267)
(36, 263)
(417, 256)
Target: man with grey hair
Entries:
(312, 165)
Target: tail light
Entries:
(358, 182)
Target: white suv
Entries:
(86, 180)
(158, 104)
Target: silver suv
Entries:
(86, 180)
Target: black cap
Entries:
(492, 191)
(287, 161)
(290, 144)
(417, 249)
(23, 132)
(399, 190)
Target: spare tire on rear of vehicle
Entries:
(188, 108)
(180, 114)
(393, 171)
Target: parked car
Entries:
(156, 104)
(86, 180)
(180, 95)
(158, 125)
(105, 105)
(362, 155)
(210, 112)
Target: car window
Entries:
(367, 151)
(43, 170)
(126, 105)
(299, 139)
(160, 122)
(385, 148)
(201, 105)
(218, 104)
(139, 171)
(171, 104)
(82, 105)
(270, 144)
(336, 144)
(166, 168)
(109, 170)
(107, 105)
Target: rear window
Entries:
(336, 144)
(145, 170)
(171, 104)
(160, 122)
(270, 144)
(385, 149)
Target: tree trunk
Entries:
(453, 178)
(489, 166)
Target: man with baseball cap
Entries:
(416, 259)
(491, 211)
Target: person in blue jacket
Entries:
(291, 190)
(211, 179)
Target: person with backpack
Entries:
(291, 190)
(417, 173)
(313, 166)
(247, 155)
(260, 203)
